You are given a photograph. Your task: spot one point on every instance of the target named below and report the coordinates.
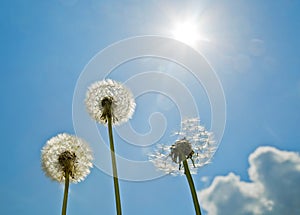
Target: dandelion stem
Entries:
(114, 166)
(192, 187)
(66, 192)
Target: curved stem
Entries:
(66, 192)
(114, 166)
(192, 187)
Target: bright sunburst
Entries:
(186, 32)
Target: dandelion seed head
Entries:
(181, 150)
(195, 144)
(63, 152)
(108, 95)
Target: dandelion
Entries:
(66, 158)
(109, 99)
(110, 102)
(194, 148)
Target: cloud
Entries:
(273, 187)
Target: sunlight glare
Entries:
(186, 32)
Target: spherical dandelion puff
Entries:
(110, 102)
(194, 148)
(59, 148)
(66, 158)
(109, 96)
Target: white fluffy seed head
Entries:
(123, 104)
(195, 143)
(58, 146)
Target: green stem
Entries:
(66, 192)
(192, 187)
(114, 166)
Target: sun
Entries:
(186, 32)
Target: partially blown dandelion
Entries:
(195, 144)
(66, 158)
(194, 148)
(110, 102)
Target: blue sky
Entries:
(253, 47)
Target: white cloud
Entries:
(273, 190)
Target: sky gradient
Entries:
(253, 47)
